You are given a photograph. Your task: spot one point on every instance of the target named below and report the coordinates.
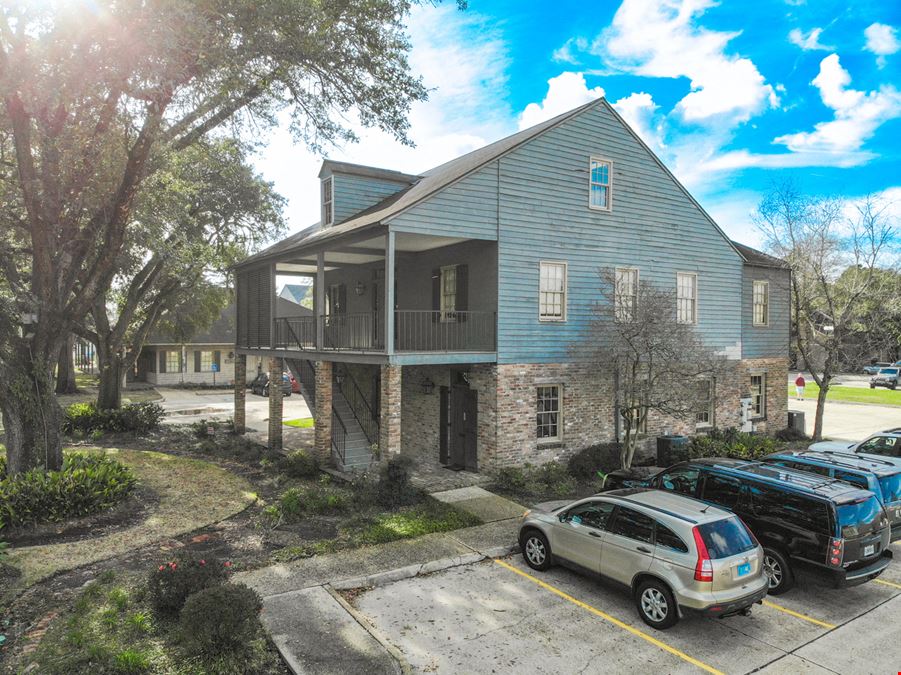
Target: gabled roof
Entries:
(222, 332)
(334, 166)
(758, 258)
(294, 292)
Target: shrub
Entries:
(220, 619)
(394, 484)
(295, 502)
(171, 583)
(299, 464)
(132, 661)
(2, 466)
(135, 417)
(733, 443)
(791, 435)
(87, 483)
(586, 463)
(547, 480)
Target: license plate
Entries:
(743, 569)
(869, 550)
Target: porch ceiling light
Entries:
(360, 288)
(427, 386)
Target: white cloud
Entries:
(567, 53)
(808, 41)
(565, 92)
(882, 40)
(638, 109)
(857, 114)
(463, 61)
(662, 39)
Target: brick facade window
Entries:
(761, 303)
(758, 395)
(549, 426)
(706, 401)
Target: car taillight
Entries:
(704, 568)
(836, 552)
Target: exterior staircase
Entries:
(351, 449)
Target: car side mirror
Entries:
(562, 517)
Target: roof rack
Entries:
(853, 455)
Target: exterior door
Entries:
(628, 546)
(464, 428)
(580, 534)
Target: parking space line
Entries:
(616, 622)
(887, 583)
(798, 615)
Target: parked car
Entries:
(674, 553)
(886, 377)
(873, 368)
(883, 444)
(830, 528)
(260, 385)
(879, 476)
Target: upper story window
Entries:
(599, 196)
(625, 295)
(449, 293)
(686, 297)
(328, 215)
(552, 292)
(761, 303)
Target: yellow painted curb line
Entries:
(614, 621)
(798, 615)
(887, 583)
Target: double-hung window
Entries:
(625, 294)
(173, 361)
(758, 395)
(599, 196)
(686, 297)
(328, 215)
(206, 361)
(448, 293)
(549, 423)
(704, 416)
(552, 292)
(761, 302)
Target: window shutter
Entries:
(436, 294)
(443, 426)
(181, 361)
(462, 292)
(162, 354)
(196, 361)
(217, 359)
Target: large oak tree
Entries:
(95, 95)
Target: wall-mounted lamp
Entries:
(339, 378)
(427, 386)
(360, 288)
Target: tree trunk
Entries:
(821, 408)
(65, 368)
(109, 396)
(31, 415)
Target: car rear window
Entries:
(860, 517)
(725, 538)
(891, 488)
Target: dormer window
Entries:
(327, 201)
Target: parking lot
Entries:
(499, 616)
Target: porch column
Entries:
(275, 404)
(389, 415)
(240, 418)
(389, 293)
(319, 306)
(322, 416)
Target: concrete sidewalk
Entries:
(316, 631)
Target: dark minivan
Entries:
(879, 476)
(801, 519)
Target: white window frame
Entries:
(559, 412)
(447, 300)
(758, 397)
(710, 412)
(679, 298)
(765, 285)
(564, 294)
(173, 361)
(328, 205)
(618, 313)
(609, 185)
(206, 361)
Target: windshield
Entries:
(860, 518)
(727, 537)
(891, 488)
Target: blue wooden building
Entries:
(465, 357)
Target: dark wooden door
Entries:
(464, 428)
(444, 425)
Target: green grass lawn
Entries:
(300, 423)
(879, 396)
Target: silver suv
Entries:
(673, 552)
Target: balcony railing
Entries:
(414, 331)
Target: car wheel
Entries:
(536, 551)
(778, 572)
(872, 386)
(656, 604)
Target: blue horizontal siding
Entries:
(544, 215)
(353, 194)
(771, 340)
(467, 208)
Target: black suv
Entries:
(801, 519)
(879, 476)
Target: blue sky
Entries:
(732, 96)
